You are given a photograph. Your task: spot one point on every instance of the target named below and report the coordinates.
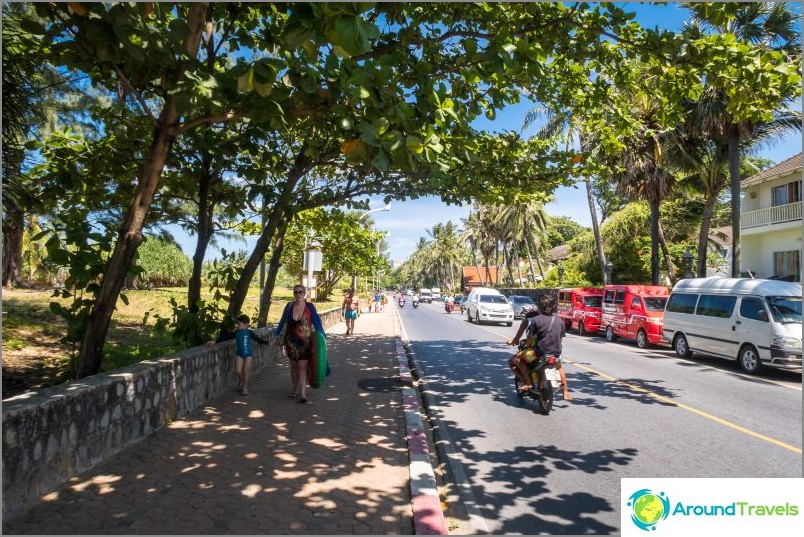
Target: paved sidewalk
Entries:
(262, 463)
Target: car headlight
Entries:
(786, 342)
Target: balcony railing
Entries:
(772, 215)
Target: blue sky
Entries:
(409, 220)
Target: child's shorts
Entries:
(350, 314)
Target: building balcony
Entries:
(772, 215)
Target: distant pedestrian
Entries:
(244, 352)
(376, 300)
(350, 309)
(296, 331)
(383, 301)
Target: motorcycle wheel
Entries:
(545, 399)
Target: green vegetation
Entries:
(241, 119)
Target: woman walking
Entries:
(296, 331)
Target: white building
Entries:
(770, 221)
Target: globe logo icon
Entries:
(648, 508)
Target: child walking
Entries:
(245, 351)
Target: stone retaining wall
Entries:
(54, 434)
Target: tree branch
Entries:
(137, 95)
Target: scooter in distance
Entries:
(401, 303)
(415, 303)
(448, 307)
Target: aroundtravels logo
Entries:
(648, 508)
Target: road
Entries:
(635, 413)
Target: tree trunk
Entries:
(601, 256)
(273, 270)
(703, 235)
(671, 270)
(205, 230)
(734, 176)
(130, 236)
(530, 261)
(283, 203)
(13, 230)
(654, 242)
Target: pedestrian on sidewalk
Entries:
(244, 353)
(296, 332)
(376, 300)
(350, 309)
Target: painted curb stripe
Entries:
(428, 518)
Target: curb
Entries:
(428, 517)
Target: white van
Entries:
(485, 304)
(425, 296)
(436, 293)
(753, 321)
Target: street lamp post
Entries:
(312, 262)
(686, 261)
(609, 267)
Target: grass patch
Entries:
(32, 347)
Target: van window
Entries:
(682, 303)
(493, 299)
(716, 305)
(655, 303)
(592, 301)
(636, 303)
(609, 297)
(619, 298)
(785, 309)
(563, 298)
(753, 308)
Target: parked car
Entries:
(581, 308)
(425, 295)
(756, 322)
(488, 305)
(517, 302)
(634, 312)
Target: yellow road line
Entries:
(701, 413)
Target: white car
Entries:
(486, 305)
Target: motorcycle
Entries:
(448, 307)
(415, 303)
(545, 379)
(401, 303)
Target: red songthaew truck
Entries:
(581, 308)
(634, 312)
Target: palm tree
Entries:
(555, 126)
(764, 24)
(524, 224)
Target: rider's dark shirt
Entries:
(548, 337)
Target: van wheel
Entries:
(469, 316)
(610, 334)
(682, 347)
(642, 339)
(581, 329)
(749, 360)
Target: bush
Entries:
(163, 264)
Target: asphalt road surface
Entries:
(635, 413)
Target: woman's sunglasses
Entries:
(299, 292)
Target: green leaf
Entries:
(352, 34)
(245, 82)
(414, 144)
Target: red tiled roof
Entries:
(477, 275)
(783, 168)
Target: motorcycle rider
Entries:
(544, 333)
(549, 330)
(402, 300)
(415, 299)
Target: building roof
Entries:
(783, 168)
(477, 275)
(559, 253)
(721, 236)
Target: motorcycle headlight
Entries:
(786, 342)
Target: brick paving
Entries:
(262, 463)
